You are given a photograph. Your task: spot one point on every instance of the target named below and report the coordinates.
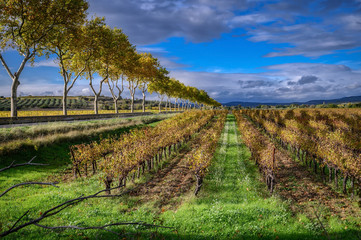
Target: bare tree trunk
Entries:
(132, 87)
(65, 96)
(96, 109)
(66, 82)
(15, 78)
(143, 104)
(120, 91)
(96, 94)
(14, 98)
(160, 102)
(116, 105)
(132, 104)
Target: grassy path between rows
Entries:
(234, 203)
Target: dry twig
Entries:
(12, 165)
(28, 183)
(52, 211)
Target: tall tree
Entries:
(159, 85)
(148, 74)
(118, 50)
(65, 44)
(133, 70)
(176, 91)
(95, 54)
(28, 25)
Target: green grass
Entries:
(49, 137)
(232, 204)
(41, 130)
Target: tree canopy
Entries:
(84, 48)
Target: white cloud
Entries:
(310, 81)
(152, 49)
(310, 28)
(86, 91)
(46, 63)
(250, 19)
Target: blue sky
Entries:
(237, 50)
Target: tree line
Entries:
(85, 48)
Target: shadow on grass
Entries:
(345, 235)
(55, 154)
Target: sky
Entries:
(236, 50)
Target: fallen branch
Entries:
(28, 183)
(26, 213)
(52, 211)
(12, 165)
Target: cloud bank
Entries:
(310, 28)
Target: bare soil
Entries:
(308, 193)
(167, 185)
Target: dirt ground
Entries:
(309, 193)
(167, 185)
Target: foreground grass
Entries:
(38, 199)
(233, 204)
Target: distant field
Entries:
(58, 112)
(73, 103)
(44, 102)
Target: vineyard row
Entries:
(139, 150)
(262, 150)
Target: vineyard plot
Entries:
(232, 201)
(326, 141)
(308, 193)
(140, 150)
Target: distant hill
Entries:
(312, 102)
(250, 104)
(339, 100)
